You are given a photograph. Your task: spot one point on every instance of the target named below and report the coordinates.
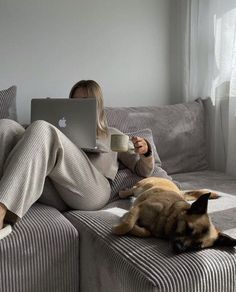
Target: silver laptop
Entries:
(76, 118)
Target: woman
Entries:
(80, 180)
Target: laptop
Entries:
(76, 118)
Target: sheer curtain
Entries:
(207, 30)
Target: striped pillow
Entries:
(8, 103)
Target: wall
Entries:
(178, 11)
(46, 46)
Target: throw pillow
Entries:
(8, 103)
(125, 178)
(179, 131)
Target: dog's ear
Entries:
(225, 240)
(199, 207)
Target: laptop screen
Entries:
(76, 118)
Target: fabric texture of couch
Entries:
(75, 250)
(8, 103)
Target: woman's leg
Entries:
(10, 133)
(45, 151)
(51, 197)
(3, 212)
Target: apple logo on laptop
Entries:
(62, 123)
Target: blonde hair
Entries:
(93, 89)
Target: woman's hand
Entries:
(140, 145)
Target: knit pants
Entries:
(28, 156)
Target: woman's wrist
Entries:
(149, 150)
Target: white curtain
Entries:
(207, 30)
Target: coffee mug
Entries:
(121, 143)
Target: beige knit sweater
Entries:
(107, 163)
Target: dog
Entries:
(161, 210)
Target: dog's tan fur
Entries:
(161, 209)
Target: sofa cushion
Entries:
(41, 253)
(178, 132)
(131, 264)
(8, 103)
(208, 179)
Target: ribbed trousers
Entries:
(28, 156)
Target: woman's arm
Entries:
(141, 162)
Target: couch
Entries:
(74, 250)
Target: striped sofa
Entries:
(75, 250)
(130, 264)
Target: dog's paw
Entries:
(120, 229)
(140, 231)
(125, 193)
(214, 195)
(195, 194)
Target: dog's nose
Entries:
(178, 246)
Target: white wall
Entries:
(177, 46)
(48, 45)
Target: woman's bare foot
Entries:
(3, 211)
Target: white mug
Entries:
(121, 143)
